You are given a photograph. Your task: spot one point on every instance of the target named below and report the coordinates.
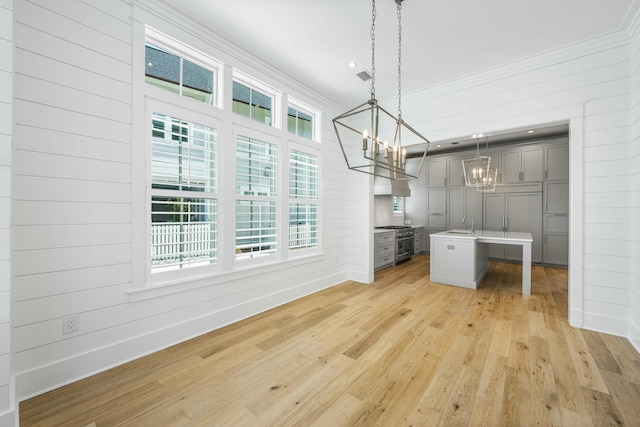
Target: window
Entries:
(179, 75)
(398, 205)
(303, 200)
(249, 102)
(184, 207)
(256, 191)
(300, 123)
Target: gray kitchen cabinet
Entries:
(556, 249)
(455, 206)
(464, 201)
(522, 165)
(473, 207)
(520, 212)
(427, 238)
(437, 207)
(418, 240)
(556, 223)
(384, 249)
(556, 162)
(556, 195)
(455, 174)
(436, 172)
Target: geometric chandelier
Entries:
(372, 140)
(477, 171)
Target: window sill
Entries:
(196, 282)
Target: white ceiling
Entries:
(314, 40)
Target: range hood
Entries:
(389, 187)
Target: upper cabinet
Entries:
(522, 165)
(556, 162)
(444, 172)
(455, 173)
(437, 172)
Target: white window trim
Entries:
(396, 214)
(182, 50)
(159, 278)
(278, 256)
(149, 98)
(265, 89)
(300, 253)
(315, 114)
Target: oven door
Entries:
(404, 248)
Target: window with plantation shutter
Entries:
(303, 200)
(398, 205)
(256, 192)
(184, 206)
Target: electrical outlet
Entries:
(70, 324)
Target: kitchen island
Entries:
(461, 257)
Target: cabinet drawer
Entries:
(383, 250)
(383, 260)
(384, 238)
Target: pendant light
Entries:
(374, 141)
(488, 184)
(476, 169)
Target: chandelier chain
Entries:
(399, 2)
(373, 49)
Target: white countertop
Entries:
(487, 236)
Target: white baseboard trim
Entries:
(606, 324)
(9, 419)
(62, 372)
(575, 318)
(634, 335)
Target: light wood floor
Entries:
(401, 352)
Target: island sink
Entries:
(458, 231)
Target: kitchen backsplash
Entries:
(383, 212)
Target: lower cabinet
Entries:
(384, 249)
(418, 240)
(514, 212)
(556, 249)
(427, 239)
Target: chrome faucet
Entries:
(473, 226)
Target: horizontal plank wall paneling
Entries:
(8, 414)
(74, 177)
(587, 82)
(634, 189)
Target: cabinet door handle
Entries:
(445, 181)
(521, 176)
(506, 223)
(546, 174)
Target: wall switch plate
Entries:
(70, 324)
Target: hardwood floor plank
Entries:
(625, 397)
(487, 408)
(583, 362)
(402, 351)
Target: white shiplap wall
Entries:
(74, 116)
(7, 411)
(587, 83)
(634, 189)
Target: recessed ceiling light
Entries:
(353, 64)
(530, 131)
(438, 145)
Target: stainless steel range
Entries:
(404, 241)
